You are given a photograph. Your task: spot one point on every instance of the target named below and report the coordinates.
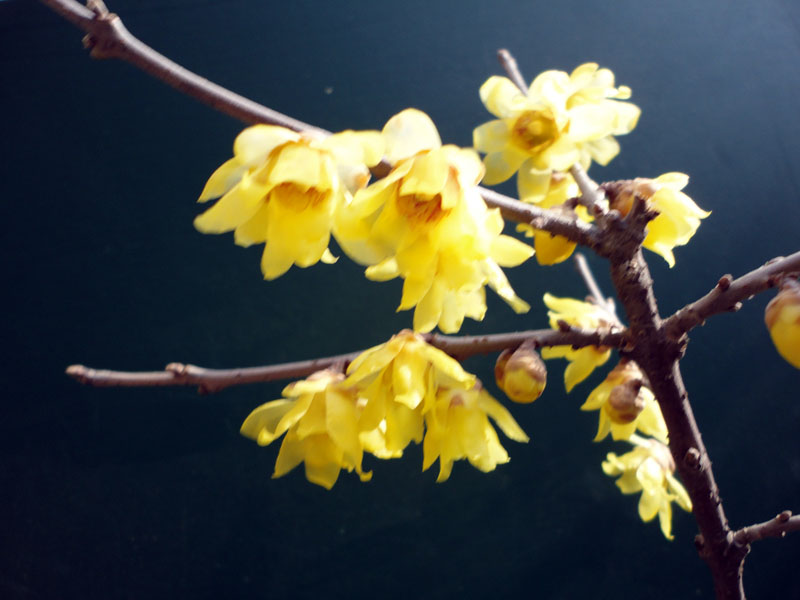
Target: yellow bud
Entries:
(521, 374)
(782, 317)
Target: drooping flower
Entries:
(583, 315)
(649, 468)
(458, 427)
(320, 417)
(398, 381)
(625, 405)
(782, 317)
(678, 216)
(562, 120)
(554, 191)
(426, 222)
(282, 189)
(521, 374)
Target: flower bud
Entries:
(782, 317)
(625, 401)
(521, 374)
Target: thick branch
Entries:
(728, 294)
(776, 527)
(658, 356)
(214, 380)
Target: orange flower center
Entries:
(534, 130)
(419, 209)
(294, 197)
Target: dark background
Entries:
(146, 493)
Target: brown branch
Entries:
(728, 294)
(658, 355)
(107, 37)
(776, 527)
(214, 380)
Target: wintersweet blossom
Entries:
(678, 216)
(426, 222)
(583, 315)
(649, 468)
(625, 405)
(563, 119)
(283, 189)
(782, 317)
(458, 427)
(320, 418)
(398, 381)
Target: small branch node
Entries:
(724, 282)
(692, 459)
(177, 368)
(784, 516)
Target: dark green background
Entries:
(153, 494)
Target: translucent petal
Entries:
(501, 97)
(383, 271)
(500, 166)
(414, 289)
(265, 418)
(665, 519)
(297, 163)
(603, 150)
(502, 417)
(356, 147)
(427, 176)
(552, 249)
(499, 283)
(275, 261)
(254, 144)
(234, 208)
(290, 455)
(409, 132)
(323, 461)
(681, 496)
(342, 424)
(254, 230)
(429, 309)
(533, 184)
(491, 137)
(649, 503)
(507, 251)
(223, 179)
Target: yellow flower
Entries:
(782, 317)
(583, 315)
(521, 374)
(626, 405)
(426, 222)
(320, 418)
(678, 215)
(649, 469)
(552, 190)
(458, 427)
(398, 381)
(283, 189)
(562, 120)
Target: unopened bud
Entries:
(622, 193)
(782, 317)
(625, 400)
(521, 374)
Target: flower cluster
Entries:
(562, 120)
(426, 222)
(401, 391)
(648, 469)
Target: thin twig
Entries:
(592, 195)
(509, 64)
(729, 293)
(777, 527)
(600, 300)
(215, 380)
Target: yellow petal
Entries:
(297, 163)
(223, 179)
(265, 418)
(502, 417)
(254, 144)
(507, 251)
(501, 97)
(409, 132)
(491, 137)
(234, 208)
